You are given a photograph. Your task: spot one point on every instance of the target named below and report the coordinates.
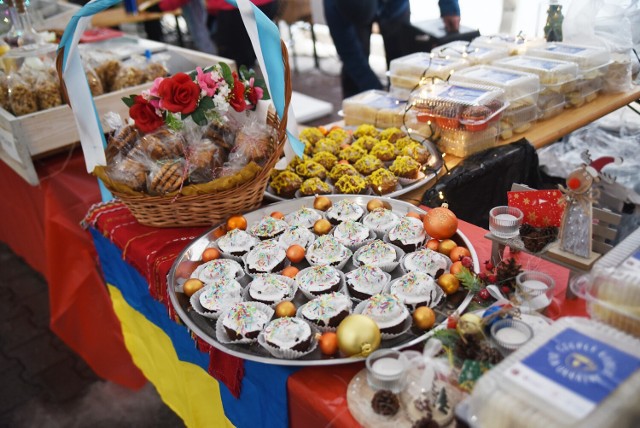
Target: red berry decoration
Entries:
(467, 262)
(492, 278)
(488, 265)
(484, 294)
(452, 321)
(505, 289)
(482, 276)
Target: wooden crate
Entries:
(53, 15)
(41, 133)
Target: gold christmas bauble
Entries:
(285, 309)
(424, 318)
(440, 223)
(322, 203)
(358, 336)
(449, 283)
(322, 227)
(447, 246)
(374, 203)
(469, 324)
(192, 285)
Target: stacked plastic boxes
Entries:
(515, 45)
(374, 107)
(475, 55)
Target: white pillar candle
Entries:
(506, 217)
(510, 336)
(534, 284)
(388, 367)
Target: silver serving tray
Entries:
(433, 167)
(205, 328)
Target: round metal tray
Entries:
(433, 167)
(205, 328)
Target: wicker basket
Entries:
(213, 208)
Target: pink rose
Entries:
(206, 82)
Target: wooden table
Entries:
(548, 131)
(117, 15)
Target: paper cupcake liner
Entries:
(418, 244)
(439, 295)
(294, 289)
(238, 277)
(272, 191)
(409, 181)
(387, 267)
(223, 337)
(342, 285)
(252, 275)
(200, 310)
(357, 300)
(339, 266)
(354, 247)
(332, 191)
(289, 354)
(406, 324)
(398, 187)
(322, 329)
(405, 270)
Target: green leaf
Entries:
(193, 75)
(469, 280)
(226, 73)
(173, 122)
(206, 103)
(129, 101)
(198, 116)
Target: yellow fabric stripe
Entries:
(187, 389)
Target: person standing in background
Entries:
(350, 23)
(195, 16)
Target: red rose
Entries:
(179, 94)
(144, 115)
(237, 95)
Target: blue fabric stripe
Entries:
(263, 399)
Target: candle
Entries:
(534, 284)
(511, 336)
(506, 217)
(387, 367)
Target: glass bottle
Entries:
(29, 35)
(553, 26)
(14, 35)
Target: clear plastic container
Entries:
(518, 119)
(576, 373)
(550, 103)
(373, 107)
(475, 55)
(463, 143)
(588, 58)
(515, 45)
(518, 86)
(408, 71)
(552, 73)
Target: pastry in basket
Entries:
(309, 169)
(416, 289)
(365, 129)
(427, 261)
(405, 167)
(270, 289)
(220, 135)
(244, 320)
(326, 250)
(344, 210)
(351, 184)
(327, 159)
(296, 235)
(163, 144)
(340, 135)
(317, 280)
(366, 281)
(392, 134)
(352, 153)
(286, 184)
(288, 333)
(380, 220)
(265, 257)
(387, 311)
(385, 151)
(366, 142)
(383, 181)
(129, 171)
(342, 169)
(268, 228)
(167, 177)
(218, 270)
(327, 310)
(409, 234)
(252, 142)
(351, 233)
(376, 253)
(305, 217)
(326, 145)
(311, 135)
(218, 296)
(367, 164)
(417, 152)
(236, 242)
(314, 186)
(205, 159)
(121, 142)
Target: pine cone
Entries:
(467, 347)
(385, 403)
(506, 272)
(488, 354)
(425, 422)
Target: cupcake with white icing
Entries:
(297, 235)
(344, 210)
(380, 220)
(287, 338)
(305, 217)
(271, 289)
(268, 228)
(218, 270)
(366, 281)
(316, 280)
(242, 322)
(352, 234)
(388, 312)
(266, 257)
(408, 234)
(416, 289)
(378, 253)
(236, 243)
(427, 261)
(213, 299)
(326, 250)
(326, 311)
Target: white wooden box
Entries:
(41, 133)
(52, 15)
